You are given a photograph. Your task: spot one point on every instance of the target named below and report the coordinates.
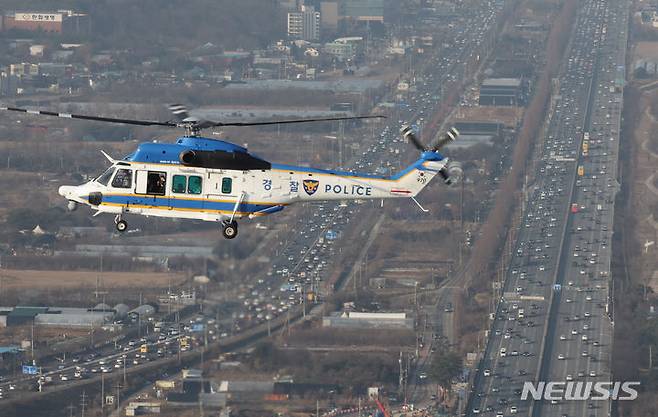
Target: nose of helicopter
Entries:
(66, 191)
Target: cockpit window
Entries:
(123, 178)
(104, 178)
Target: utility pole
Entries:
(32, 338)
(83, 403)
(70, 408)
(406, 377)
(416, 294)
(118, 387)
(341, 139)
(461, 222)
(102, 394)
(401, 379)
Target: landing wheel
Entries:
(121, 225)
(230, 230)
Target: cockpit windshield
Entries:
(104, 178)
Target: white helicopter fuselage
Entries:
(178, 191)
(216, 180)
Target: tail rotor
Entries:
(452, 172)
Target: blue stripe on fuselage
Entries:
(166, 202)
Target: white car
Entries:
(513, 409)
(560, 357)
(487, 372)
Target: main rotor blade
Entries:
(179, 111)
(283, 122)
(94, 118)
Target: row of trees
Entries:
(494, 231)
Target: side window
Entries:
(194, 185)
(123, 178)
(156, 183)
(227, 185)
(178, 184)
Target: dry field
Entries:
(645, 50)
(28, 279)
(507, 115)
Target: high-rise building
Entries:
(304, 24)
(61, 21)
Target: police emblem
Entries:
(310, 186)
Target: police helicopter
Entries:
(216, 180)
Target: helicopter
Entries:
(215, 180)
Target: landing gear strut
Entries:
(120, 224)
(230, 229)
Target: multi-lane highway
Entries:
(581, 330)
(552, 322)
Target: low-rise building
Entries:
(354, 319)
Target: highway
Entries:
(583, 303)
(551, 323)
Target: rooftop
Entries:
(501, 82)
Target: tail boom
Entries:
(406, 184)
